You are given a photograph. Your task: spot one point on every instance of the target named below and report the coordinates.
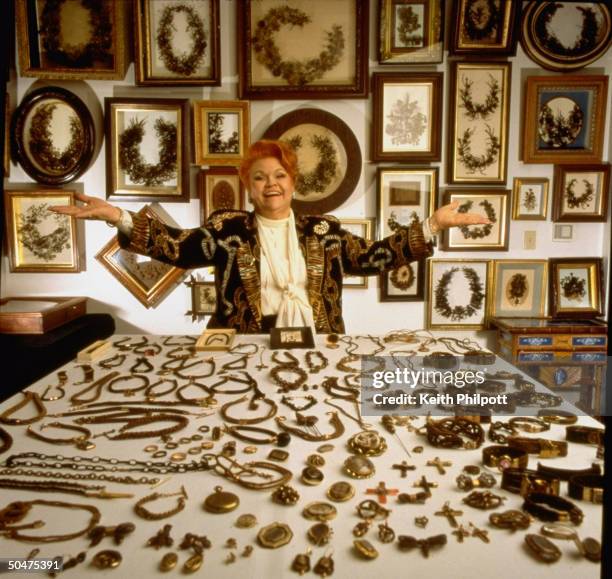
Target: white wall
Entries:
(107, 295)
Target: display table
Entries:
(503, 556)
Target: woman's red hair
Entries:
(280, 150)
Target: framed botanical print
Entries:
(485, 27)
(564, 118)
(529, 198)
(565, 36)
(407, 109)
(363, 228)
(147, 279)
(73, 39)
(222, 132)
(519, 288)
(40, 241)
(478, 136)
(203, 298)
(219, 188)
(581, 193)
(404, 195)
(410, 31)
(490, 203)
(302, 49)
(576, 287)
(177, 42)
(53, 135)
(457, 293)
(329, 158)
(147, 149)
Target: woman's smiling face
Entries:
(270, 188)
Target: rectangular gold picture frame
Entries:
(478, 132)
(40, 241)
(530, 198)
(576, 287)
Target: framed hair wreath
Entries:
(478, 232)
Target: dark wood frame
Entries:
(76, 237)
(504, 221)
(181, 106)
(355, 89)
(204, 193)
(29, 55)
(196, 286)
(530, 151)
(510, 18)
(595, 265)
(433, 79)
(201, 109)
(306, 338)
(433, 49)
(143, 53)
(160, 290)
(535, 50)
(504, 104)
(18, 127)
(344, 134)
(559, 181)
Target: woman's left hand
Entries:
(447, 216)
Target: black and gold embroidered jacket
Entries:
(228, 241)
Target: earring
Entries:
(301, 563)
(325, 565)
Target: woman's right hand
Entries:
(92, 208)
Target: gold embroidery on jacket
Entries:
(230, 245)
(163, 243)
(314, 276)
(248, 266)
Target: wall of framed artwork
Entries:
(406, 58)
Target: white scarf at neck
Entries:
(288, 275)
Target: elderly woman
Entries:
(273, 268)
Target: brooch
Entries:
(321, 228)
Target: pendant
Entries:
(275, 535)
(301, 563)
(221, 501)
(312, 476)
(359, 467)
(340, 492)
(319, 511)
(320, 534)
(246, 521)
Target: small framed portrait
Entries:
(484, 27)
(407, 109)
(67, 39)
(564, 118)
(177, 42)
(566, 36)
(222, 132)
(478, 135)
(219, 188)
(363, 228)
(40, 241)
(457, 293)
(581, 193)
(410, 31)
(563, 232)
(404, 195)
(575, 287)
(329, 158)
(203, 298)
(530, 198)
(490, 203)
(147, 279)
(53, 135)
(289, 338)
(519, 288)
(310, 49)
(147, 149)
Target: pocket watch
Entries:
(221, 501)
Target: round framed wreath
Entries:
(460, 312)
(295, 72)
(472, 231)
(327, 167)
(581, 201)
(132, 162)
(184, 64)
(41, 142)
(557, 129)
(98, 50)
